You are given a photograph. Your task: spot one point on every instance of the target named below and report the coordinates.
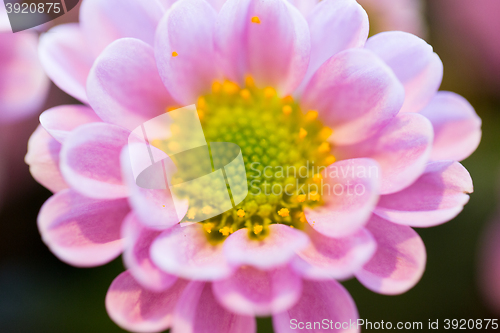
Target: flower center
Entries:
(284, 150)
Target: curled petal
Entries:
(350, 191)
(82, 231)
(402, 149)
(61, 120)
(90, 160)
(139, 310)
(320, 300)
(267, 39)
(414, 63)
(64, 55)
(137, 243)
(399, 262)
(334, 258)
(186, 252)
(355, 93)
(457, 127)
(276, 249)
(253, 292)
(199, 312)
(184, 34)
(436, 197)
(43, 159)
(124, 87)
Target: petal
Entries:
(124, 87)
(155, 208)
(275, 51)
(82, 231)
(61, 120)
(23, 83)
(43, 159)
(335, 258)
(64, 55)
(436, 197)
(103, 22)
(276, 249)
(350, 191)
(457, 127)
(137, 243)
(355, 94)
(335, 25)
(399, 262)
(186, 252)
(140, 310)
(402, 149)
(199, 312)
(320, 300)
(253, 292)
(90, 160)
(187, 30)
(414, 63)
(304, 6)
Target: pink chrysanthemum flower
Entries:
(288, 87)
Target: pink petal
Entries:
(124, 86)
(253, 292)
(355, 93)
(335, 258)
(90, 160)
(335, 25)
(276, 249)
(43, 159)
(304, 6)
(436, 197)
(188, 30)
(140, 310)
(61, 120)
(23, 83)
(82, 231)
(186, 252)
(399, 262)
(137, 242)
(319, 301)
(199, 312)
(414, 63)
(66, 59)
(154, 208)
(457, 127)
(350, 191)
(402, 149)
(103, 22)
(275, 51)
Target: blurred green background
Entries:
(38, 293)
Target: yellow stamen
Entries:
(325, 133)
(269, 92)
(317, 178)
(324, 147)
(202, 103)
(216, 87)
(301, 198)
(287, 109)
(226, 231)
(284, 212)
(208, 227)
(311, 115)
(249, 81)
(302, 133)
(257, 229)
(256, 20)
(245, 94)
(171, 108)
(191, 213)
(175, 54)
(314, 196)
(288, 99)
(230, 87)
(301, 217)
(240, 213)
(207, 210)
(292, 227)
(330, 160)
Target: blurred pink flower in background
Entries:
(369, 104)
(403, 15)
